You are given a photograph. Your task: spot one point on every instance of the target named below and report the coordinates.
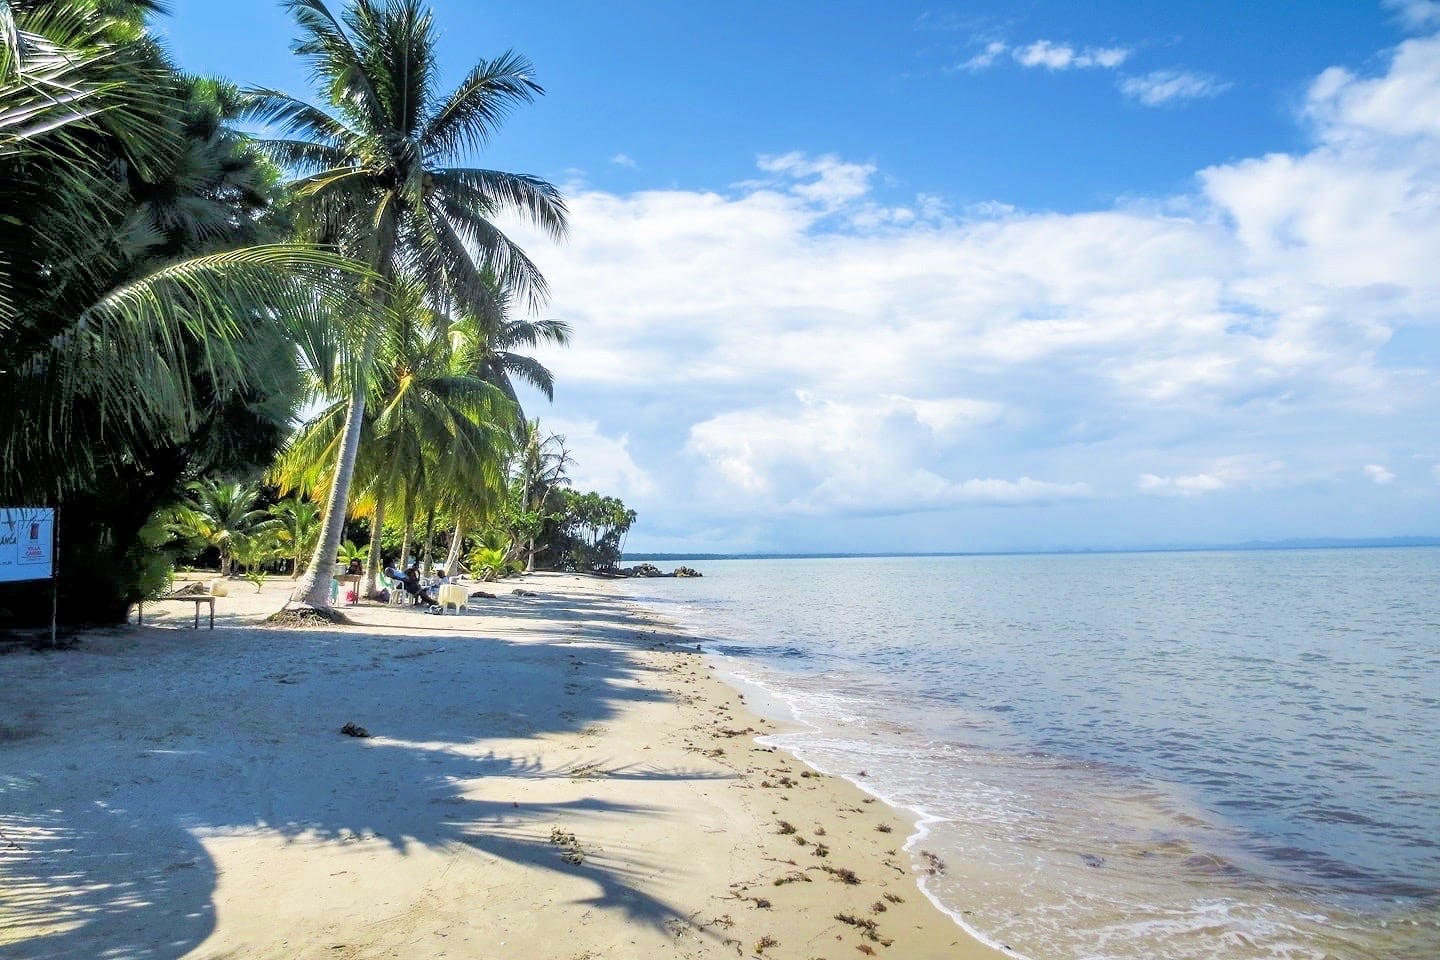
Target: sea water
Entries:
(1161, 755)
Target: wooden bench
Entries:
(196, 598)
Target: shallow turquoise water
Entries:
(1124, 755)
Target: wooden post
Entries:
(54, 576)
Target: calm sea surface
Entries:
(1166, 755)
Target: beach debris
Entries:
(481, 595)
(728, 732)
(867, 927)
(800, 841)
(883, 828)
(843, 874)
(1092, 860)
(821, 850)
(862, 773)
(819, 831)
(878, 907)
(794, 876)
(866, 949)
(570, 850)
(785, 828)
(935, 867)
(765, 941)
(686, 572)
(518, 592)
(353, 729)
(894, 898)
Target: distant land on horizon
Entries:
(1309, 543)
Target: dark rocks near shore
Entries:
(650, 570)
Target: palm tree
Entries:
(437, 431)
(376, 179)
(300, 524)
(540, 475)
(221, 514)
(144, 333)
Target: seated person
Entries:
(355, 569)
(418, 593)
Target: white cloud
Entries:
(1063, 56)
(934, 352)
(985, 58)
(819, 456)
(1165, 86)
(622, 160)
(601, 462)
(1416, 14)
(1225, 473)
(1379, 474)
(827, 181)
(1188, 486)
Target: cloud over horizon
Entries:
(807, 344)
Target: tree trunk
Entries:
(429, 539)
(452, 559)
(370, 585)
(409, 536)
(530, 555)
(313, 590)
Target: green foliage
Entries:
(349, 552)
(299, 528)
(145, 319)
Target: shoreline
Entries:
(549, 776)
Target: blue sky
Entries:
(971, 276)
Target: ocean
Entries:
(1151, 755)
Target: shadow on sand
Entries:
(81, 873)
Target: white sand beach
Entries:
(546, 776)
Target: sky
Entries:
(915, 276)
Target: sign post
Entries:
(27, 551)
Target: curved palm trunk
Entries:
(370, 586)
(313, 590)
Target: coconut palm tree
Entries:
(437, 431)
(143, 332)
(222, 513)
(300, 524)
(376, 177)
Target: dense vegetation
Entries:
(174, 294)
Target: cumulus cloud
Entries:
(601, 462)
(822, 351)
(1165, 86)
(622, 160)
(1379, 474)
(827, 181)
(815, 454)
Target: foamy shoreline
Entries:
(551, 776)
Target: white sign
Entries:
(27, 543)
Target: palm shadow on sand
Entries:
(80, 873)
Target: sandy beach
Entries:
(558, 775)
